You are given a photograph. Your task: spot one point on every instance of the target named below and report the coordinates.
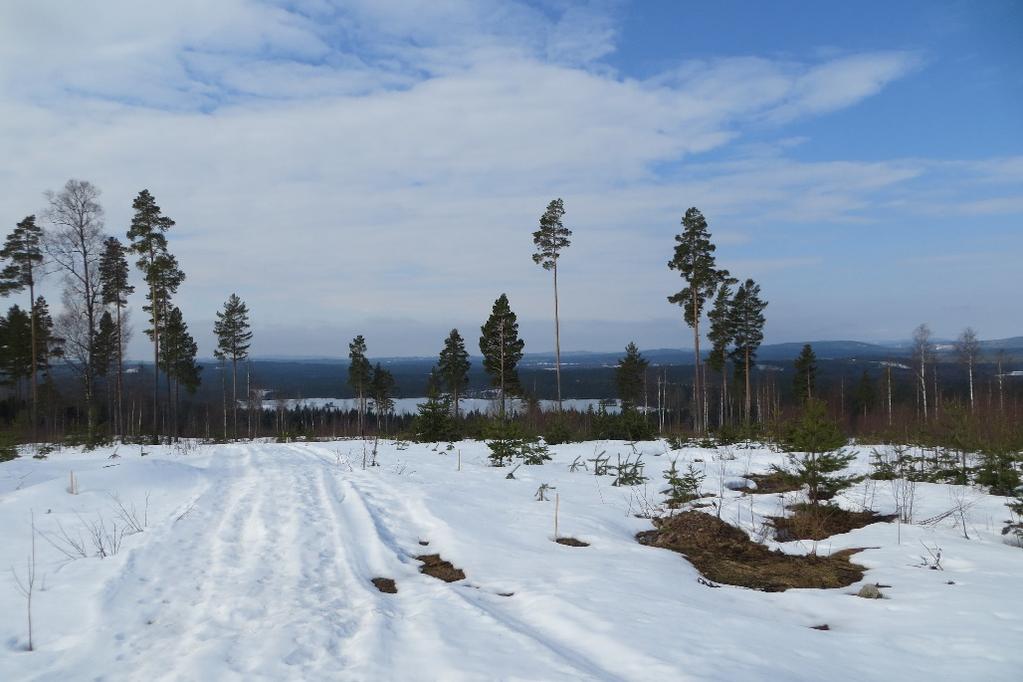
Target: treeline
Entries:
(725, 394)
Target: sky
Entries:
(379, 166)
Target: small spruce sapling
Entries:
(1015, 525)
(683, 487)
(814, 445)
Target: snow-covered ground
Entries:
(256, 563)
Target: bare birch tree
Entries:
(968, 350)
(75, 245)
(922, 355)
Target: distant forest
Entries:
(64, 375)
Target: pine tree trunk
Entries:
(698, 417)
(35, 361)
(223, 393)
(156, 353)
(234, 395)
(557, 337)
(748, 406)
(119, 416)
(502, 371)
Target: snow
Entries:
(257, 558)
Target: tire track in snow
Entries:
(362, 510)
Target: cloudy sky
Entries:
(378, 166)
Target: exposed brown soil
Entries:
(774, 482)
(726, 554)
(385, 585)
(434, 566)
(817, 523)
(572, 542)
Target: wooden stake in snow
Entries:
(459, 459)
(557, 503)
(72, 483)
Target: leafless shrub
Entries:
(27, 585)
(933, 560)
(106, 540)
(71, 546)
(133, 520)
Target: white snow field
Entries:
(256, 560)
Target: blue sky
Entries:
(377, 167)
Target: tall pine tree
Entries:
(747, 321)
(551, 239)
(502, 348)
(453, 367)
(160, 270)
(360, 376)
(234, 336)
(695, 263)
(22, 256)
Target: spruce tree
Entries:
(360, 374)
(162, 275)
(105, 351)
(113, 274)
(551, 239)
(695, 263)
(382, 388)
(814, 445)
(17, 348)
(865, 396)
(48, 346)
(629, 376)
(22, 258)
(178, 356)
(721, 336)
(502, 349)
(746, 318)
(804, 381)
(453, 367)
(234, 336)
(433, 422)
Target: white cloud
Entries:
(339, 162)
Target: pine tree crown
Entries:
(553, 237)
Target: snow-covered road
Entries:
(258, 559)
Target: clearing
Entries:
(257, 561)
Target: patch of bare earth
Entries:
(809, 522)
(571, 542)
(725, 554)
(774, 482)
(435, 566)
(386, 585)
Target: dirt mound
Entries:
(434, 566)
(817, 523)
(386, 585)
(774, 482)
(571, 542)
(725, 554)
